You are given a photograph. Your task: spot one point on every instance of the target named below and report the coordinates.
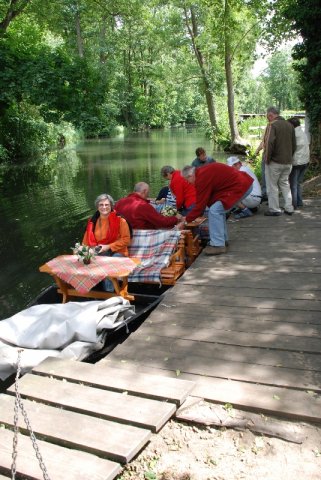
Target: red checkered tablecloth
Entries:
(84, 277)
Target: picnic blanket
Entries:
(84, 277)
(153, 248)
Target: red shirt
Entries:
(184, 191)
(140, 213)
(217, 181)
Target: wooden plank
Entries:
(198, 365)
(206, 413)
(255, 268)
(296, 285)
(104, 438)
(268, 399)
(227, 353)
(118, 407)
(273, 400)
(201, 311)
(208, 296)
(245, 339)
(61, 463)
(100, 376)
(231, 323)
(233, 256)
(243, 355)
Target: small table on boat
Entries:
(74, 279)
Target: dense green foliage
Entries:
(92, 65)
(306, 16)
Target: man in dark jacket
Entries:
(278, 154)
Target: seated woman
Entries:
(108, 232)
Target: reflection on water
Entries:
(44, 207)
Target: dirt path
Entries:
(190, 452)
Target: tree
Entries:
(15, 8)
(282, 82)
(306, 17)
(191, 21)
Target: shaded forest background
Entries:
(71, 68)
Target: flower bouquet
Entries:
(84, 253)
(169, 211)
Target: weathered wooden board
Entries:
(273, 400)
(247, 254)
(207, 295)
(199, 365)
(253, 267)
(276, 285)
(104, 438)
(226, 353)
(236, 323)
(266, 399)
(141, 412)
(173, 306)
(61, 463)
(245, 339)
(98, 375)
(195, 410)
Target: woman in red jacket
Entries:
(183, 191)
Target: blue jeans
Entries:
(106, 284)
(217, 221)
(296, 178)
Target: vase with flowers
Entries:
(84, 253)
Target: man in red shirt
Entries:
(183, 191)
(139, 213)
(218, 187)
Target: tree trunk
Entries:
(238, 145)
(12, 12)
(193, 32)
(102, 35)
(80, 43)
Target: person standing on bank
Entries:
(201, 158)
(257, 151)
(278, 155)
(301, 160)
(220, 188)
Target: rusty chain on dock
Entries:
(19, 404)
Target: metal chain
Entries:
(19, 404)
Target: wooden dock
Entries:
(242, 328)
(88, 419)
(245, 326)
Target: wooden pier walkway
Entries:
(242, 328)
(245, 326)
(88, 419)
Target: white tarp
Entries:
(71, 330)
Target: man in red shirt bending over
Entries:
(218, 188)
(139, 213)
